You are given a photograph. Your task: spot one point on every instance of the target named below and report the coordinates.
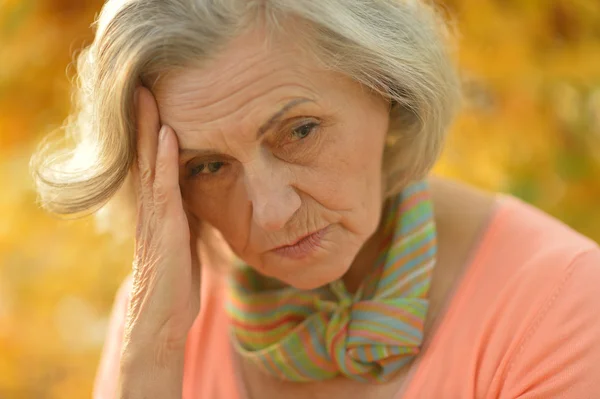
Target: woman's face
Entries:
(282, 157)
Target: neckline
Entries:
(461, 283)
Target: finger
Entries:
(141, 205)
(196, 271)
(135, 175)
(166, 192)
(148, 125)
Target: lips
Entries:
(299, 239)
(303, 246)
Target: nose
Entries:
(274, 200)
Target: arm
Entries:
(105, 384)
(164, 299)
(560, 355)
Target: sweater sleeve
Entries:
(105, 384)
(559, 357)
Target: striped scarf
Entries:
(310, 335)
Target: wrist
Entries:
(151, 372)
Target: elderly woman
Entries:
(289, 241)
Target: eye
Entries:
(304, 130)
(207, 168)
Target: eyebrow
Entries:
(185, 152)
(275, 118)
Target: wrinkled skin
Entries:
(318, 165)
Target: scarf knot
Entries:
(319, 334)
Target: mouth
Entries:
(303, 246)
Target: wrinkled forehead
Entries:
(247, 58)
(248, 80)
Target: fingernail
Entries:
(162, 135)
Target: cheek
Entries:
(366, 159)
(358, 180)
(346, 179)
(225, 211)
(351, 166)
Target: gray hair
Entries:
(402, 49)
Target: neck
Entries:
(367, 256)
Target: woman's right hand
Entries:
(165, 298)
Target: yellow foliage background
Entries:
(531, 128)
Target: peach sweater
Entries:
(523, 322)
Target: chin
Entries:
(308, 274)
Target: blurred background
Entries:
(531, 128)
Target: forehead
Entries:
(251, 75)
(253, 57)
